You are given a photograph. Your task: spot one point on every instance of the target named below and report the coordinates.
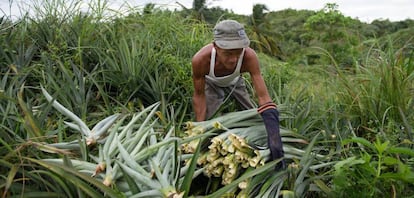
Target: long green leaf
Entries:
(133, 187)
(273, 189)
(306, 161)
(84, 128)
(104, 125)
(127, 158)
(56, 183)
(360, 140)
(39, 194)
(10, 177)
(185, 186)
(30, 123)
(79, 179)
(152, 149)
(148, 193)
(401, 150)
(141, 179)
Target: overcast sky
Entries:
(364, 10)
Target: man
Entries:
(217, 69)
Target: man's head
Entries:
(230, 34)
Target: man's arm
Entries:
(268, 110)
(252, 66)
(199, 97)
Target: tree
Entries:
(198, 9)
(329, 29)
(263, 38)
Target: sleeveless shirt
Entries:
(224, 81)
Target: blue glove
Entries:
(270, 116)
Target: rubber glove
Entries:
(270, 116)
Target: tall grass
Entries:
(139, 66)
(378, 95)
(372, 101)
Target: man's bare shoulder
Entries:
(250, 53)
(250, 60)
(201, 60)
(203, 56)
(203, 53)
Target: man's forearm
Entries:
(199, 107)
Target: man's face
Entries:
(228, 57)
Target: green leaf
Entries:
(348, 162)
(56, 183)
(359, 140)
(268, 186)
(30, 123)
(401, 150)
(185, 186)
(321, 184)
(128, 160)
(381, 147)
(82, 126)
(10, 177)
(133, 187)
(79, 179)
(38, 194)
(305, 163)
(139, 178)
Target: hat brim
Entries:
(232, 44)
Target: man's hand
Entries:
(270, 116)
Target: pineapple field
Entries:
(97, 103)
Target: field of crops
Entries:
(97, 105)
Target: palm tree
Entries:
(263, 39)
(198, 8)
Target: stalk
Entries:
(139, 178)
(81, 125)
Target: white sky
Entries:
(364, 10)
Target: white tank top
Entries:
(224, 81)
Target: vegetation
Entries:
(97, 103)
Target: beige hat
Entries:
(230, 34)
